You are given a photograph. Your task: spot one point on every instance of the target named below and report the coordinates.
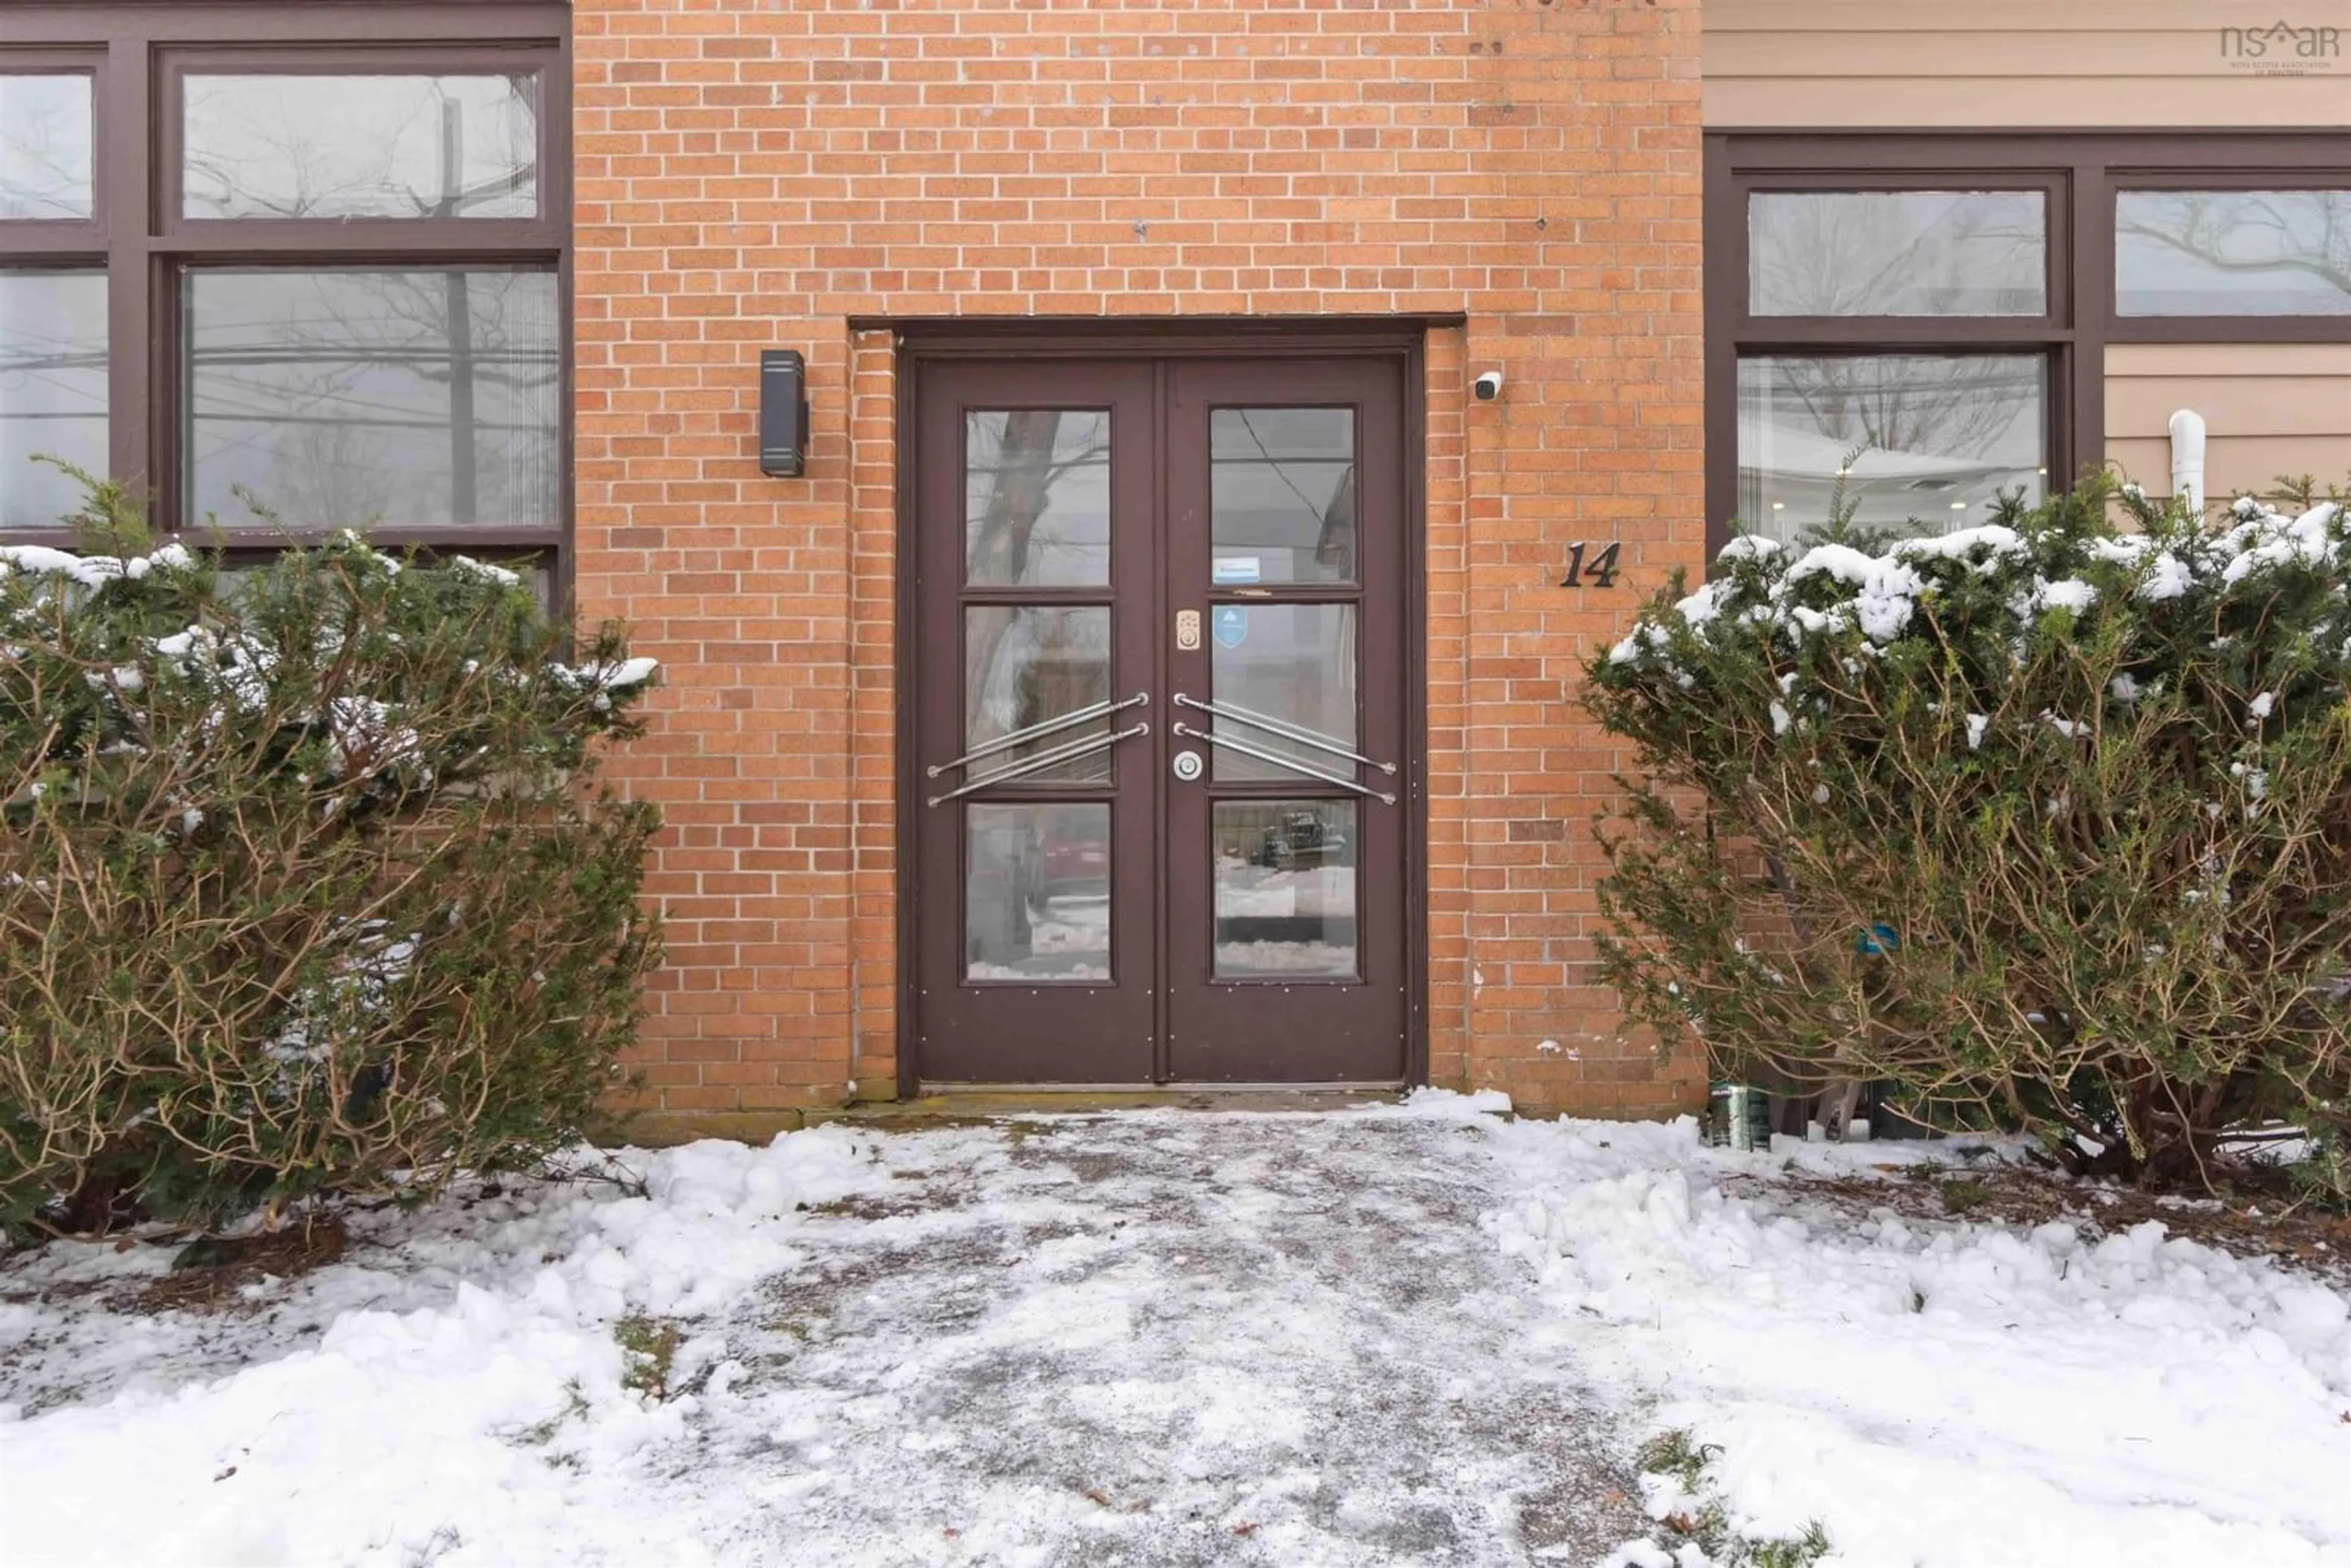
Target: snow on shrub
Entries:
(302, 887)
(2052, 816)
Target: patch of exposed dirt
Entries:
(56, 1291)
(212, 1275)
(2260, 1223)
(211, 1303)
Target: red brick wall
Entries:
(757, 173)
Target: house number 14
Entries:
(1600, 573)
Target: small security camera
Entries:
(1489, 386)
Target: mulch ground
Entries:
(210, 1275)
(2259, 1218)
(213, 1277)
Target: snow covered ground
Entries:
(1946, 1395)
(1415, 1334)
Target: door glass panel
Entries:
(1291, 662)
(46, 147)
(2233, 253)
(1897, 253)
(1037, 497)
(52, 391)
(279, 146)
(1025, 665)
(1285, 889)
(1282, 494)
(1036, 892)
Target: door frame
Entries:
(1399, 340)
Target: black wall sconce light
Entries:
(783, 413)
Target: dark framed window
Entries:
(291, 287)
(1918, 323)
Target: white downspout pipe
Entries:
(2188, 459)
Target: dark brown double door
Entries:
(1159, 778)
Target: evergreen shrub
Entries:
(2049, 817)
(304, 889)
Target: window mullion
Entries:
(2084, 432)
(1723, 268)
(125, 166)
(1901, 335)
(486, 243)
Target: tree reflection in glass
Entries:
(1916, 443)
(417, 398)
(46, 152)
(1897, 253)
(2233, 253)
(281, 146)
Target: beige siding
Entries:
(2269, 409)
(1937, 63)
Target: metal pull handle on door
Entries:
(1279, 760)
(1045, 759)
(1054, 725)
(1296, 733)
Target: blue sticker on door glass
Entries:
(1231, 625)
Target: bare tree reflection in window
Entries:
(1922, 441)
(350, 397)
(1897, 253)
(46, 146)
(1961, 411)
(53, 365)
(1024, 664)
(1037, 512)
(1281, 494)
(1037, 497)
(2233, 253)
(299, 147)
(257, 146)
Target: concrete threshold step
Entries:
(664, 1129)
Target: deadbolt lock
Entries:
(1187, 631)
